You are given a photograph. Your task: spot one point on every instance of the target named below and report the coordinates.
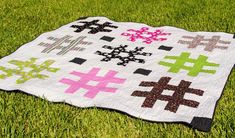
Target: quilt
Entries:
(159, 74)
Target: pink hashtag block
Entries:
(92, 91)
(145, 35)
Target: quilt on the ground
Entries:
(162, 74)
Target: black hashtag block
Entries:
(107, 38)
(142, 71)
(167, 48)
(78, 61)
(117, 53)
(94, 27)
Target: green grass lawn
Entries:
(22, 21)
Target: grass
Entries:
(23, 115)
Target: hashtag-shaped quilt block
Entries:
(58, 44)
(174, 100)
(129, 55)
(193, 70)
(145, 35)
(34, 72)
(209, 43)
(94, 26)
(92, 91)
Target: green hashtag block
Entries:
(194, 70)
(33, 70)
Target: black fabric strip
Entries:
(201, 123)
(167, 48)
(78, 61)
(142, 72)
(107, 38)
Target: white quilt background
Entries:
(53, 90)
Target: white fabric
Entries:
(53, 90)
